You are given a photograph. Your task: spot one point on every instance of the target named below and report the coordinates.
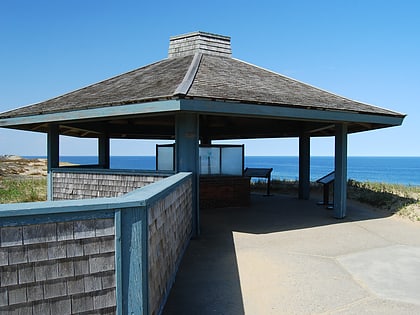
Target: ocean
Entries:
(398, 170)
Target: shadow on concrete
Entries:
(208, 279)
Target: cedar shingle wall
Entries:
(224, 191)
(58, 268)
(170, 228)
(68, 186)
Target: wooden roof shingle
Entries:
(152, 82)
(230, 79)
(216, 78)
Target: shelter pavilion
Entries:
(197, 95)
(120, 254)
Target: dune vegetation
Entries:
(23, 180)
(394, 198)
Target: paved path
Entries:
(287, 256)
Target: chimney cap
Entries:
(199, 42)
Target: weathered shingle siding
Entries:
(199, 42)
(58, 268)
(170, 228)
(76, 185)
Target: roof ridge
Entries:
(186, 83)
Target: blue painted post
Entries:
(186, 157)
(131, 261)
(104, 151)
(118, 262)
(304, 165)
(53, 156)
(340, 181)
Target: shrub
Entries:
(22, 190)
(401, 199)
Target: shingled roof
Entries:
(198, 73)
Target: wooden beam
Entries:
(327, 127)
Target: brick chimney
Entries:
(206, 43)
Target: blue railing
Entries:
(130, 219)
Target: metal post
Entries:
(326, 201)
(340, 182)
(268, 184)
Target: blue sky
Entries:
(365, 50)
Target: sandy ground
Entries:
(13, 165)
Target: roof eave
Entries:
(154, 107)
(287, 112)
(209, 107)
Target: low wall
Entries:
(72, 183)
(170, 228)
(224, 191)
(102, 256)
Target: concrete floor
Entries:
(289, 256)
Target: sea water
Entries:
(398, 170)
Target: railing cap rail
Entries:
(137, 198)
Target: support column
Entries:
(186, 157)
(304, 165)
(53, 155)
(104, 151)
(340, 181)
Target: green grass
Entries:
(393, 198)
(22, 190)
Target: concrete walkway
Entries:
(288, 256)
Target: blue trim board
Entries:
(284, 112)
(110, 111)
(55, 217)
(206, 106)
(92, 169)
(154, 191)
(118, 262)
